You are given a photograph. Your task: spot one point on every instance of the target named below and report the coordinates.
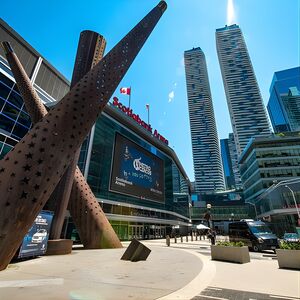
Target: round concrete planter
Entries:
(289, 259)
(59, 247)
(231, 254)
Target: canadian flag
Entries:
(125, 90)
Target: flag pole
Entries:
(129, 96)
(148, 114)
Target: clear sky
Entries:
(270, 27)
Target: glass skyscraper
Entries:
(230, 163)
(246, 108)
(227, 164)
(284, 102)
(235, 162)
(205, 143)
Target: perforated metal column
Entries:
(90, 51)
(31, 171)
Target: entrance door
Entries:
(135, 232)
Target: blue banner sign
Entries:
(35, 241)
(136, 171)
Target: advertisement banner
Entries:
(35, 241)
(136, 171)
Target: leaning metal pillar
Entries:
(30, 172)
(89, 52)
(94, 229)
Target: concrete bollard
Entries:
(175, 240)
(168, 240)
(187, 238)
(181, 239)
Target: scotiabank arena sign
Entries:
(135, 117)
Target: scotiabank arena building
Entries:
(136, 176)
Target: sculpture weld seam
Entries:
(22, 202)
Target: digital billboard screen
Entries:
(136, 171)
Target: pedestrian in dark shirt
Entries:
(212, 236)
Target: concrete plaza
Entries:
(181, 271)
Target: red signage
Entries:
(128, 111)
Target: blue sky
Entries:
(270, 27)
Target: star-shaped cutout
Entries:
(28, 155)
(25, 180)
(27, 168)
(24, 195)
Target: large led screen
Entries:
(136, 171)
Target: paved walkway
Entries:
(181, 271)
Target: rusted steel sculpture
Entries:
(90, 51)
(94, 229)
(31, 171)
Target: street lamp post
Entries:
(294, 198)
(207, 215)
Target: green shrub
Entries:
(290, 245)
(231, 244)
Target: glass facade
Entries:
(284, 101)
(100, 164)
(223, 213)
(14, 119)
(267, 160)
(227, 164)
(278, 206)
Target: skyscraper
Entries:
(234, 162)
(205, 143)
(227, 165)
(246, 108)
(284, 102)
(230, 163)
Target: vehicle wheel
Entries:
(255, 248)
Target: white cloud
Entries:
(171, 96)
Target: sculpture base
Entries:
(59, 247)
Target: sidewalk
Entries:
(181, 271)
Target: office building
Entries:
(270, 170)
(205, 143)
(267, 160)
(227, 165)
(246, 108)
(136, 177)
(284, 101)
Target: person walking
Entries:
(212, 236)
